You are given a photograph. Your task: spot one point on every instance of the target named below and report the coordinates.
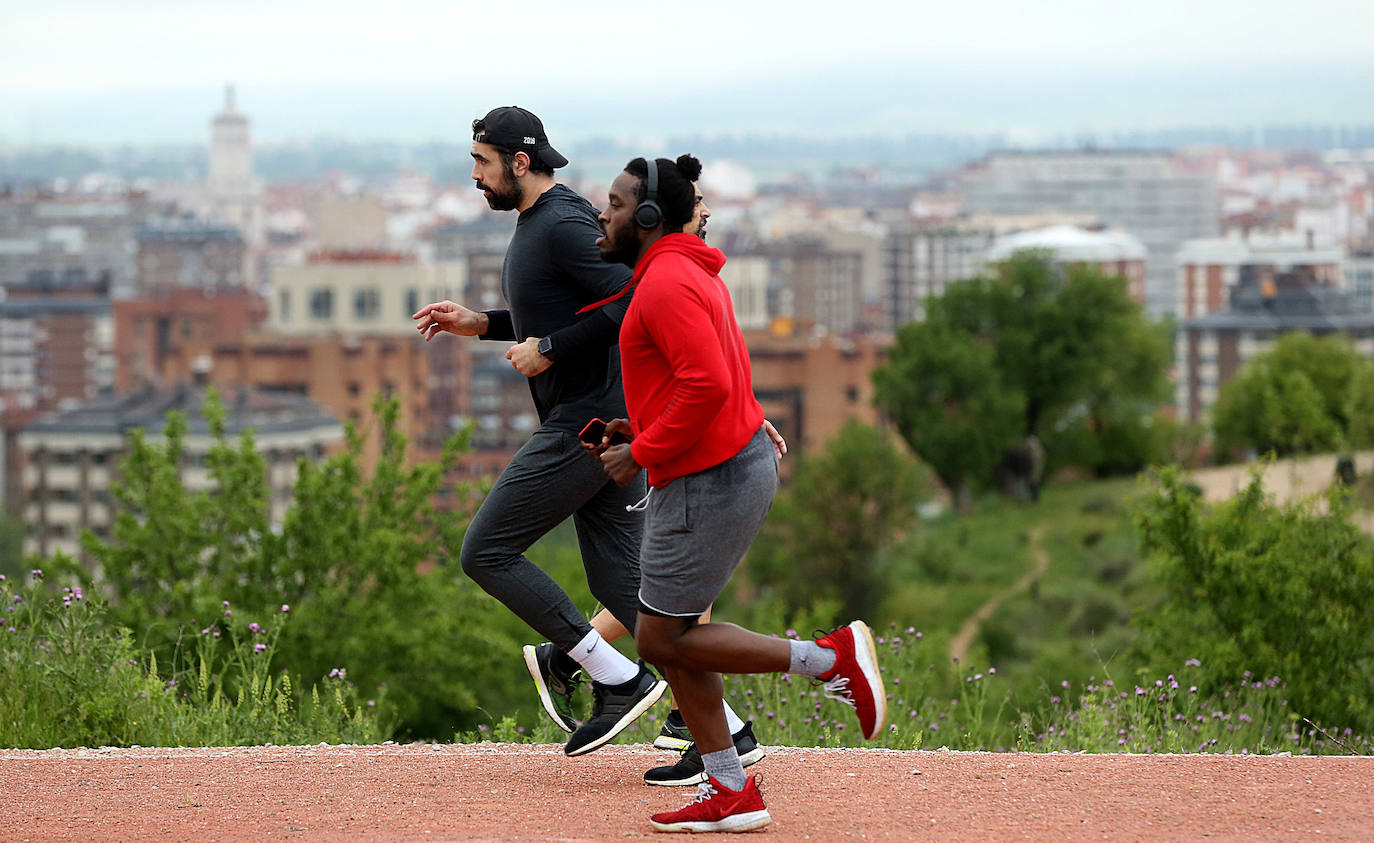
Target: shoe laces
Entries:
(838, 689)
(599, 693)
(705, 791)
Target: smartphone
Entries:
(595, 431)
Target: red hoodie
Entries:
(684, 363)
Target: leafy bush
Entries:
(353, 558)
(1303, 395)
(1280, 591)
(824, 536)
(72, 679)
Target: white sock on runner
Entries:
(603, 662)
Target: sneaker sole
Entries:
(545, 697)
(867, 657)
(748, 759)
(625, 720)
(738, 822)
(674, 744)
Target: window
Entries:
(366, 303)
(412, 302)
(284, 305)
(322, 303)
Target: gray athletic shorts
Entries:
(698, 527)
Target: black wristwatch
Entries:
(545, 347)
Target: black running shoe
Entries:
(554, 683)
(690, 770)
(674, 735)
(615, 707)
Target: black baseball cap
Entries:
(515, 129)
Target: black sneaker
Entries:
(554, 682)
(690, 770)
(613, 708)
(674, 735)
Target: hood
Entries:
(709, 258)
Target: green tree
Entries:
(1065, 355)
(943, 390)
(1062, 339)
(1360, 407)
(1276, 591)
(844, 505)
(352, 559)
(1295, 398)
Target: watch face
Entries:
(545, 346)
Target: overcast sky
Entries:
(153, 70)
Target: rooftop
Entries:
(263, 412)
(1071, 244)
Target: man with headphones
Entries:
(553, 269)
(696, 430)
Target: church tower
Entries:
(231, 151)
(232, 193)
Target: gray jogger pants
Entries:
(550, 478)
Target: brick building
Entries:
(149, 331)
(811, 386)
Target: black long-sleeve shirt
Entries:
(552, 269)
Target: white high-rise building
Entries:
(232, 194)
(1146, 193)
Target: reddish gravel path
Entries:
(498, 791)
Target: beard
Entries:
(621, 246)
(506, 196)
(701, 230)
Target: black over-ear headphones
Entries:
(647, 213)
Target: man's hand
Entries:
(616, 426)
(526, 358)
(449, 317)
(779, 444)
(619, 463)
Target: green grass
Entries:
(1048, 671)
(71, 679)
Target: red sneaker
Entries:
(855, 680)
(718, 808)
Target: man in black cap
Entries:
(552, 270)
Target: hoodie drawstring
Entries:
(643, 502)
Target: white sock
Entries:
(603, 662)
(732, 719)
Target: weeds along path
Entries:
(968, 630)
(533, 792)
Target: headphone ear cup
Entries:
(648, 214)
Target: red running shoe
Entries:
(718, 808)
(855, 680)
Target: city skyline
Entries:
(154, 71)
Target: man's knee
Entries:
(655, 649)
(658, 640)
(477, 558)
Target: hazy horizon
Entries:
(87, 73)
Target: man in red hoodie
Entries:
(697, 430)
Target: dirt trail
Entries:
(968, 630)
(505, 792)
(1286, 480)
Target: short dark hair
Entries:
(508, 162)
(677, 196)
